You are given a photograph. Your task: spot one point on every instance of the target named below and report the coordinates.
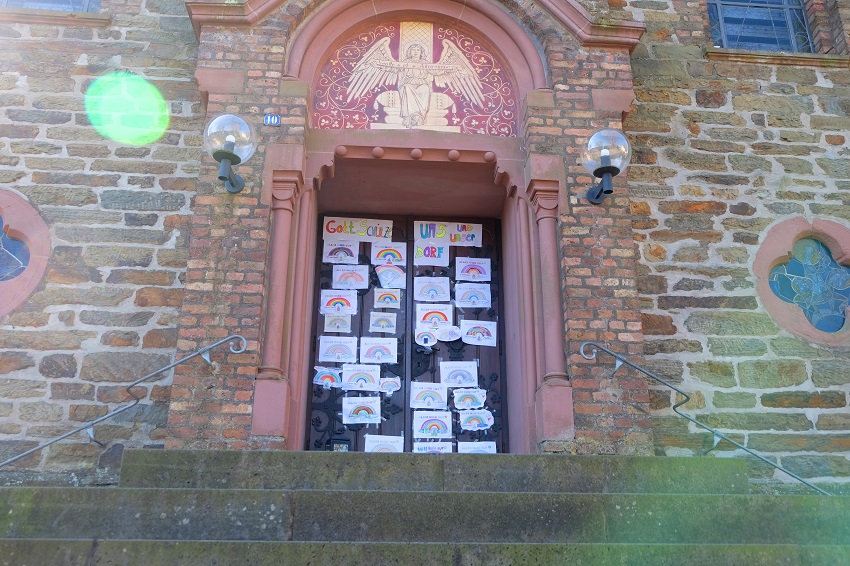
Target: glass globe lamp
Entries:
(231, 141)
(607, 154)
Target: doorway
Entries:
(440, 384)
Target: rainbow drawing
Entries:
(469, 398)
(383, 323)
(460, 376)
(481, 419)
(425, 338)
(336, 322)
(430, 291)
(361, 410)
(386, 299)
(384, 448)
(386, 444)
(360, 378)
(350, 277)
(473, 297)
(378, 353)
(327, 377)
(389, 385)
(473, 270)
(339, 350)
(479, 331)
(473, 422)
(340, 252)
(391, 276)
(389, 255)
(434, 427)
(338, 303)
(435, 317)
(427, 396)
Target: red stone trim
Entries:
(611, 33)
(775, 249)
(22, 222)
(771, 58)
(54, 17)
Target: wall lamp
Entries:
(607, 154)
(231, 141)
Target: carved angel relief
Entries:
(366, 85)
(414, 76)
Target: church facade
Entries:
(413, 261)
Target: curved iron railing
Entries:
(718, 436)
(203, 352)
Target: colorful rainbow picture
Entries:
(338, 323)
(472, 295)
(480, 419)
(448, 333)
(378, 350)
(338, 301)
(478, 332)
(387, 255)
(387, 298)
(361, 410)
(340, 252)
(327, 377)
(351, 277)
(459, 374)
(435, 317)
(425, 338)
(359, 380)
(472, 269)
(361, 377)
(469, 398)
(337, 349)
(382, 322)
(432, 424)
(431, 289)
(389, 385)
(428, 396)
(391, 276)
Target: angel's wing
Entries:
(454, 70)
(375, 69)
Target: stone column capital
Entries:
(286, 186)
(544, 198)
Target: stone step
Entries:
(196, 553)
(428, 472)
(455, 517)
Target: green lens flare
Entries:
(126, 108)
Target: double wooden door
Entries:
(421, 358)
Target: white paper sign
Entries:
(390, 385)
(472, 295)
(337, 349)
(430, 252)
(448, 333)
(335, 228)
(431, 289)
(334, 301)
(338, 323)
(391, 276)
(459, 374)
(434, 315)
(327, 377)
(461, 234)
(361, 410)
(478, 332)
(425, 335)
(340, 252)
(382, 322)
(469, 398)
(479, 419)
(378, 350)
(388, 444)
(472, 269)
(351, 277)
(389, 254)
(387, 298)
(488, 447)
(432, 424)
(431, 230)
(361, 377)
(432, 447)
(428, 395)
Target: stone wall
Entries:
(107, 309)
(723, 151)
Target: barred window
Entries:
(59, 5)
(770, 25)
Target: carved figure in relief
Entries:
(415, 76)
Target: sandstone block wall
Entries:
(723, 151)
(107, 309)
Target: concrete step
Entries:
(427, 472)
(450, 517)
(180, 553)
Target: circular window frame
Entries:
(775, 250)
(28, 227)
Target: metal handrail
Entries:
(203, 352)
(621, 360)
